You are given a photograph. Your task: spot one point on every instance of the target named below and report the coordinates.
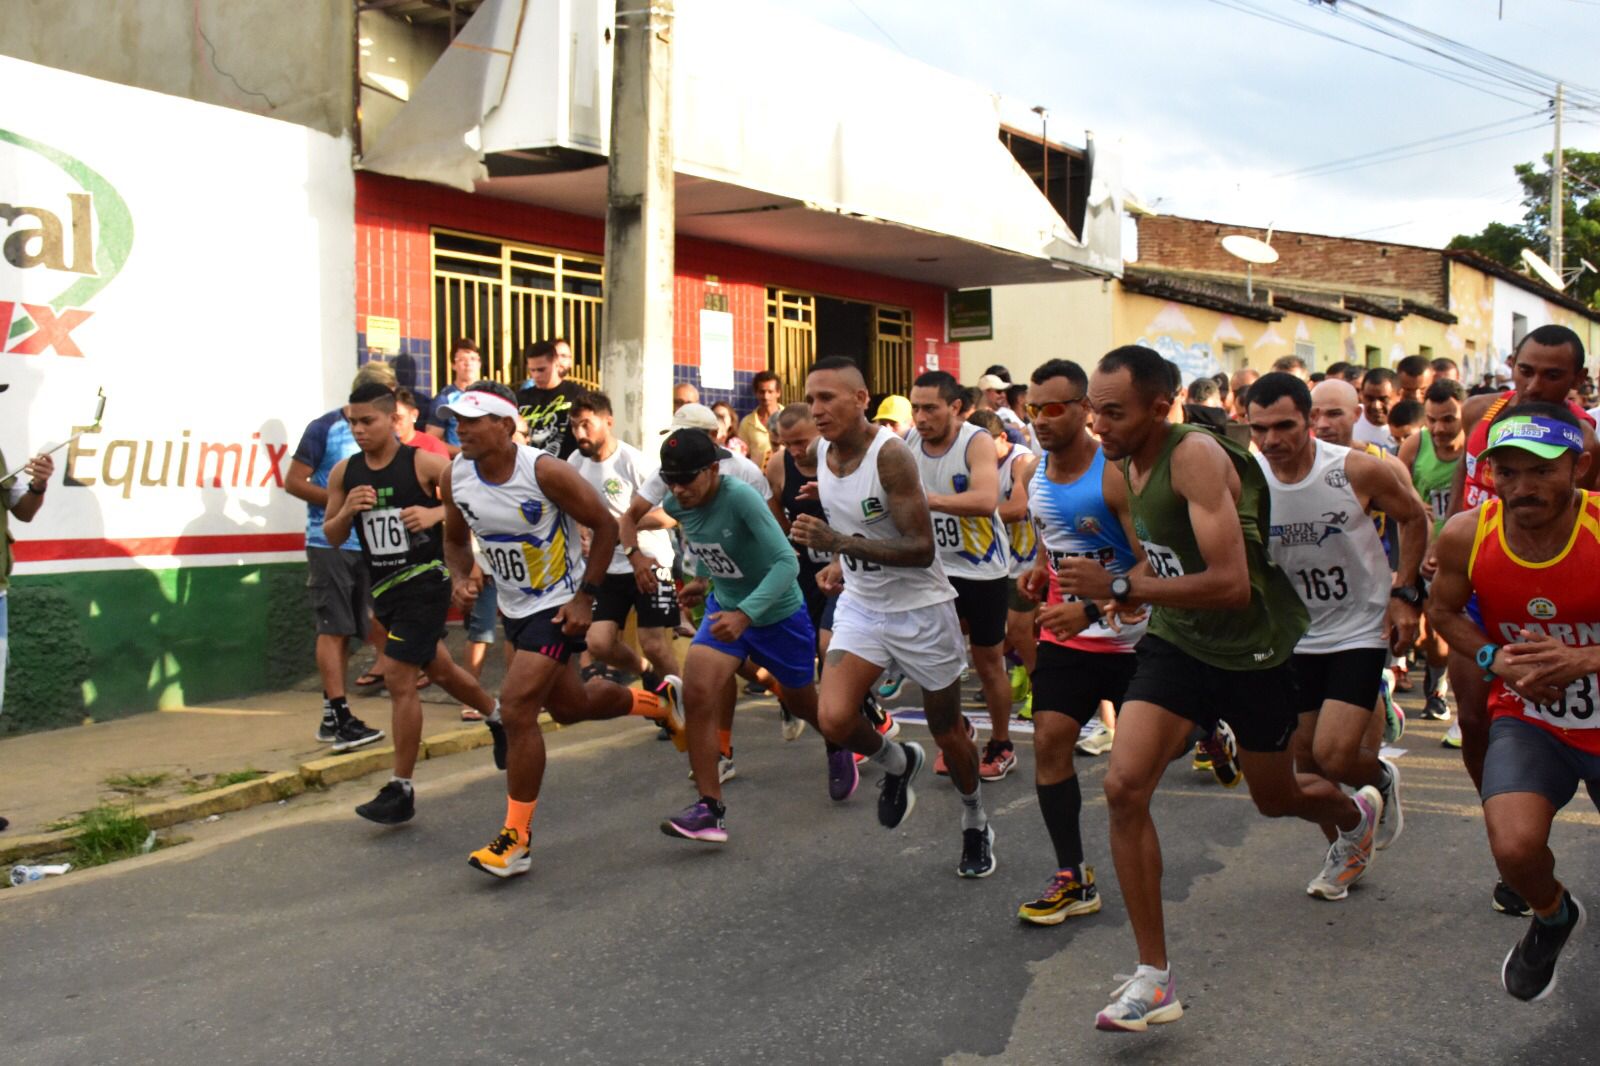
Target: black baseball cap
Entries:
(4, 386)
(690, 450)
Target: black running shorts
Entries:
(540, 632)
(413, 614)
(1351, 676)
(981, 604)
(1072, 681)
(1258, 704)
(619, 594)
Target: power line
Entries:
(1373, 155)
(875, 25)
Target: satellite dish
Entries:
(1249, 249)
(1590, 267)
(1543, 270)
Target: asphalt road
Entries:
(306, 935)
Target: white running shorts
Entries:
(924, 642)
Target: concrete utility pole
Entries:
(636, 318)
(1557, 192)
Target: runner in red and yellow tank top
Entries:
(1528, 557)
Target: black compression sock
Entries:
(1061, 804)
(336, 708)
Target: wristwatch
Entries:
(1091, 611)
(1486, 656)
(1406, 594)
(589, 589)
(627, 553)
(1121, 589)
(37, 492)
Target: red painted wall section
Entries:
(394, 278)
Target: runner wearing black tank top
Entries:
(389, 492)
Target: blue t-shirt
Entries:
(441, 417)
(325, 443)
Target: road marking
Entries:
(225, 712)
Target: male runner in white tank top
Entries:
(895, 608)
(960, 472)
(522, 503)
(1323, 538)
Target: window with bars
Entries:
(506, 296)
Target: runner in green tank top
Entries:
(1224, 621)
(1434, 457)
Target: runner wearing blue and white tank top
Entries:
(895, 607)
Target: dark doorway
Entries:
(844, 327)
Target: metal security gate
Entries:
(506, 296)
(791, 339)
(891, 353)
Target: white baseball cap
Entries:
(993, 381)
(694, 416)
(475, 404)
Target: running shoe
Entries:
(843, 776)
(1436, 709)
(755, 688)
(881, 720)
(1066, 896)
(977, 852)
(938, 760)
(393, 804)
(497, 731)
(1143, 999)
(328, 731)
(471, 714)
(1350, 855)
(1509, 901)
(671, 693)
(1095, 738)
(1529, 971)
(792, 726)
(1392, 822)
(999, 759)
(890, 688)
(698, 821)
(1221, 753)
(1025, 712)
(353, 733)
(896, 797)
(1021, 684)
(1452, 736)
(506, 855)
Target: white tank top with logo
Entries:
(1326, 543)
(857, 506)
(530, 543)
(1022, 534)
(970, 546)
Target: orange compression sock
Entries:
(645, 704)
(519, 816)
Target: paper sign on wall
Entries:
(716, 349)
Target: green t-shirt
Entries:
(1259, 637)
(1434, 478)
(739, 545)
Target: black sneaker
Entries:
(1529, 971)
(353, 733)
(895, 796)
(392, 805)
(1508, 902)
(328, 731)
(873, 712)
(977, 852)
(497, 730)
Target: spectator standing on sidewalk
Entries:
(406, 415)
(755, 427)
(465, 368)
(546, 405)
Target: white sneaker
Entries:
(1143, 1000)
(1392, 822)
(792, 726)
(1452, 736)
(1350, 855)
(1095, 738)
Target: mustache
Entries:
(1520, 502)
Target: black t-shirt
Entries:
(546, 412)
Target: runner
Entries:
(895, 608)
(1545, 367)
(756, 611)
(1506, 573)
(1433, 457)
(960, 474)
(1224, 623)
(1322, 538)
(523, 503)
(1017, 464)
(1081, 659)
(388, 492)
(616, 469)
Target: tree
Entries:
(1580, 222)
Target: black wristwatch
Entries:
(37, 492)
(1407, 594)
(1121, 589)
(589, 589)
(1091, 611)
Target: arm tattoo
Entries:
(908, 507)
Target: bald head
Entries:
(1335, 404)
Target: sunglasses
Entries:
(1053, 409)
(682, 478)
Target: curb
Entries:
(318, 773)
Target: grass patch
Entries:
(136, 782)
(223, 780)
(106, 834)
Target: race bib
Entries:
(1573, 709)
(716, 561)
(1104, 556)
(1164, 561)
(384, 532)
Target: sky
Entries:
(1212, 109)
